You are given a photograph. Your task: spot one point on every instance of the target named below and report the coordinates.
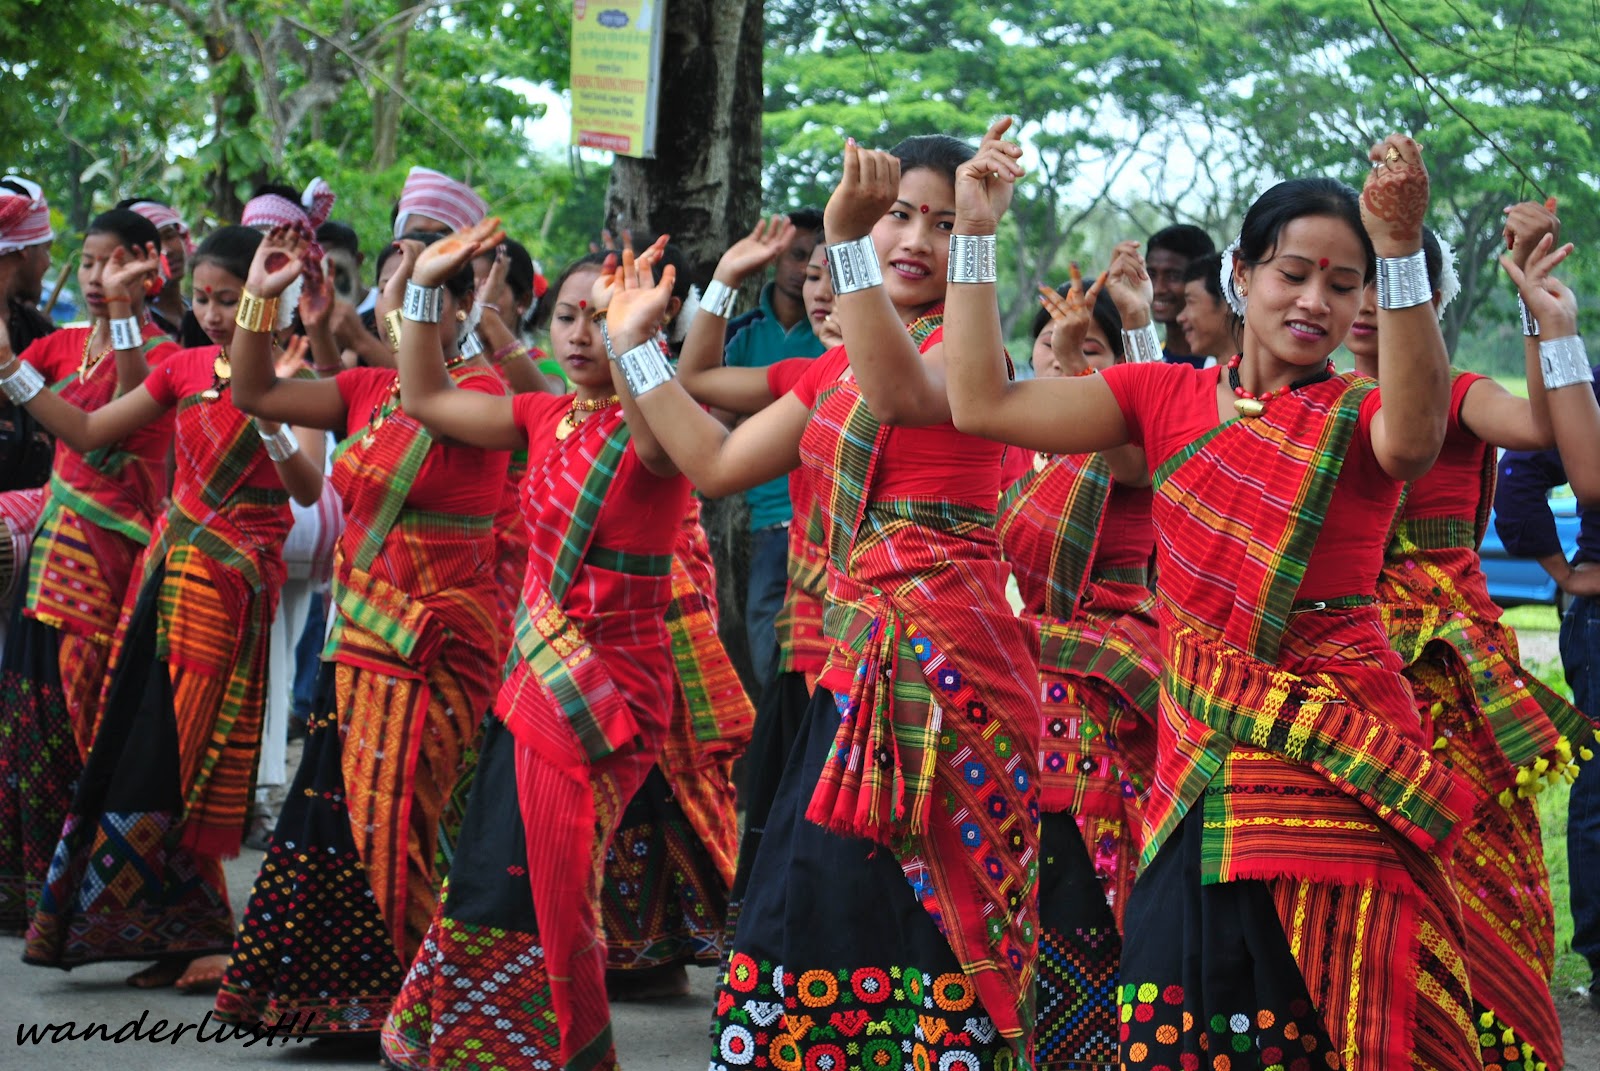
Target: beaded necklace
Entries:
(391, 401)
(569, 423)
(1253, 405)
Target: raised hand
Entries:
(867, 189)
(985, 183)
(628, 266)
(444, 258)
(1071, 314)
(494, 278)
(1526, 223)
(125, 275)
(278, 261)
(764, 244)
(1550, 301)
(394, 291)
(316, 301)
(292, 358)
(1394, 199)
(830, 332)
(638, 303)
(1128, 280)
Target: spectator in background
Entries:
(1210, 328)
(776, 329)
(358, 344)
(168, 309)
(1167, 256)
(1523, 520)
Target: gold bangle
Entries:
(391, 324)
(257, 313)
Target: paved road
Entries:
(669, 1035)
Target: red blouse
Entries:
(1167, 407)
(451, 478)
(186, 373)
(1454, 486)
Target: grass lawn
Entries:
(1537, 619)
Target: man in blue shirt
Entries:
(775, 330)
(1528, 529)
(1167, 256)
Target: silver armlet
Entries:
(972, 259)
(424, 304)
(719, 299)
(126, 334)
(1141, 346)
(23, 385)
(1530, 326)
(1563, 362)
(1403, 282)
(854, 265)
(645, 367)
(281, 445)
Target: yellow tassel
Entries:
(1508, 1037)
(1486, 1020)
(1524, 775)
(1439, 744)
(1585, 754)
(1506, 800)
(1541, 765)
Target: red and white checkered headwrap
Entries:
(24, 219)
(437, 196)
(269, 210)
(162, 216)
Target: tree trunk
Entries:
(703, 188)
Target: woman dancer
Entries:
(802, 647)
(163, 799)
(1076, 529)
(99, 512)
(1294, 906)
(1491, 720)
(349, 884)
(581, 717)
(915, 791)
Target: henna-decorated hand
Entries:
(867, 189)
(628, 266)
(638, 304)
(1526, 223)
(444, 258)
(1128, 281)
(764, 244)
(1394, 200)
(127, 271)
(316, 301)
(278, 261)
(292, 358)
(1071, 314)
(986, 183)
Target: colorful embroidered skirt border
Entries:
(835, 962)
(1080, 948)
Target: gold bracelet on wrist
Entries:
(257, 313)
(391, 325)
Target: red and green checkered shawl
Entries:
(937, 746)
(566, 671)
(716, 710)
(1254, 494)
(1092, 628)
(409, 583)
(803, 647)
(78, 570)
(1435, 599)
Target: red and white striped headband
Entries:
(24, 218)
(163, 216)
(270, 210)
(438, 196)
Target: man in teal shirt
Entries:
(775, 330)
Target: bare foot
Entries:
(160, 974)
(204, 975)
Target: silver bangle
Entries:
(972, 259)
(1563, 362)
(645, 367)
(1142, 345)
(470, 346)
(23, 385)
(1530, 325)
(1403, 282)
(126, 334)
(719, 299)
(281, 445)
(423, 304)
(854, 265)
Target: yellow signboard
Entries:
(616, 71)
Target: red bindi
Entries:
(583, 304)
(1323, 263)
(924, 210)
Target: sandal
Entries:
(160, 974)
(204, 975)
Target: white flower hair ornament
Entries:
(1230, 293)
(1449, 281)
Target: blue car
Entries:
(1523, 581)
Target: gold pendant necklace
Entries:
(222, 370)
(86, 368)
(569, 421)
